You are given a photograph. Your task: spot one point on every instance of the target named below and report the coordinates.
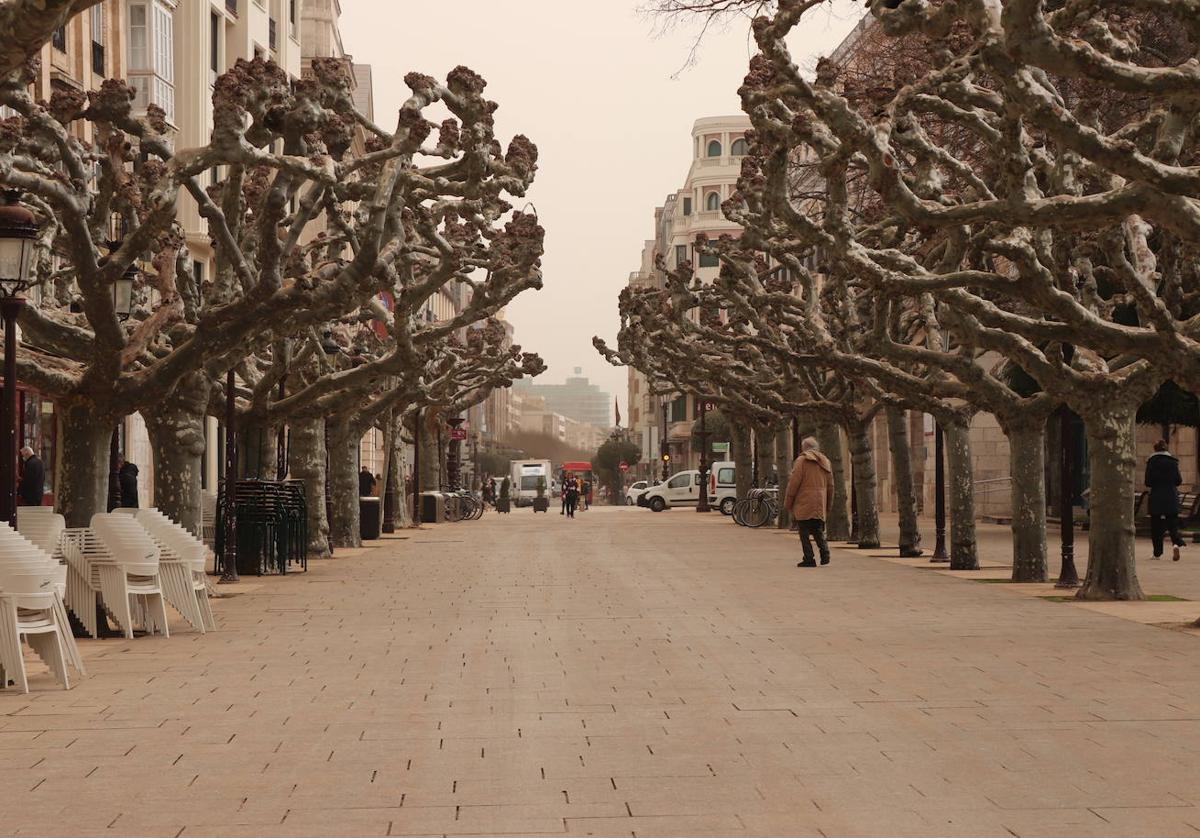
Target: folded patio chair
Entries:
(183, 562)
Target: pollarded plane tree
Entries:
(285, 152)
(1072, 268)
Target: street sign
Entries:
(458, 433)
(624, 466)
(720, 447)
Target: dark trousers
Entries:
(572, 500)
(1160, 525)
(813, 529)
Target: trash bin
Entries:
(370, 518)
(433, 508)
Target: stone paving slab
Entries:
(623, 674)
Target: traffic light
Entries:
(666, 458)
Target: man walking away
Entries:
(33, 478)
(809, 497)
(1163, 479)
(127, 476)
(571, 491)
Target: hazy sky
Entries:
(600, 90)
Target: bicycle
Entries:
(756, 510)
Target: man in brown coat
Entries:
(809, 497)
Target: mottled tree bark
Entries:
(308, 465)
(1111, 573)
(960, 492)
(838, 526)
(344, 437)
(84, 441)
(783, 465)
(1027, 468)
(431, 461)
(765, 451)
(742, 456)
(862, 450)
(902, 476)
(176, 430)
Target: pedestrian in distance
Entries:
(809, 496)
(1163, 479)
(32, 487)
(571, 493)
(586, 495)
(366, 483)
(127, 477)
(562, 495)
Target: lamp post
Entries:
(666, 448)
(122, 296)
(939, 496)
(229, 571)
(18, 232)
(702, 503)
(281, 439)
(1068, 576)
(454, 454)
(416, 483)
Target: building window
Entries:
(152, 56)
(98, 39)
(714, 148)
(738, 149)
(272, 36)
(679, 409)
(231, 6)
(59, 39)
(712, 201)
(214, 44)
(292, 18)
(687, 206)
(681, 255)
(709, 260)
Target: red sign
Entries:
(624, 466)
(458, 433)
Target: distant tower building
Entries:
(577, 399)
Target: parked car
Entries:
(681, 489)
(635, 491)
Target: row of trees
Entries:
(333, 236)
(980, 206)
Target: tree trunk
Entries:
(960, 491)
(1027, 468)
(742, 456)
(308, 465)
(431, 475)
(344, 437)
(84, 440)
(863, 452)
(783, 466)
(176, 429)
(902, 475)
(765, 451)
(830, 439)
(1111, 573)
(256, 451)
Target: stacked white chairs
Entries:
(116, 562)
(44, 527)
(31, 609)
(183, 562)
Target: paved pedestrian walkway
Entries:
(623, 674)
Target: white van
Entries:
(683, 489)
(525, 476)
(722, 486)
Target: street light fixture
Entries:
(122, 291)
(18, 234)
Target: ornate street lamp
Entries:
(18, 234)
(122, 291)
(229, 571)
(122, 296)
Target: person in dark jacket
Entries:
(1163, 479)
(33, 478)
(366, 483)
(127, 476)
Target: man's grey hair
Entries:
(27, 451)
(810, 444)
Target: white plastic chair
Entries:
(28, 612)
(31, 585)
(115, 561)
(43, 526)
(183, 562)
